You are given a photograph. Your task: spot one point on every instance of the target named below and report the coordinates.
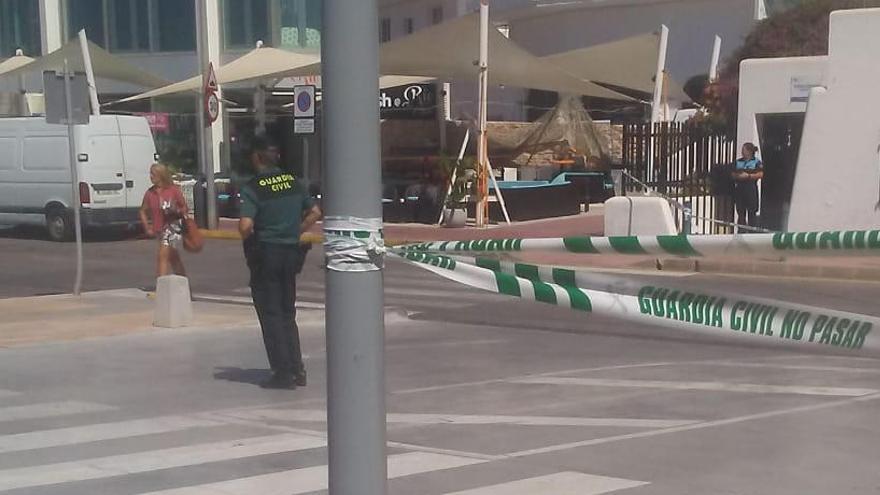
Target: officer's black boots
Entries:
(284, 381)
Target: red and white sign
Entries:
(158, 121)
(212, 101)
(211, 79)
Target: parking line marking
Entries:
(99, 432)
(706, 386)
(50, 410)
(312, 479)
(565, 483)
(142, 462)
(316, 415)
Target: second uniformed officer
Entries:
(275, 210)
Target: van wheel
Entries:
(59, 225)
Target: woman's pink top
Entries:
(159, 199)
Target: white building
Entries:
(818, 128)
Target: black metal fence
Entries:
(679, 161)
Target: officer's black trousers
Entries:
(273, 288)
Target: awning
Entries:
(13, 63)
(104, 64)
(260, 63)
(257, 64)
(628, 63)
(450, 51)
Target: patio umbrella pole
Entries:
(481, 213)
(461, 152)
(498, 193)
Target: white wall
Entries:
(765, 87)
(837, 184)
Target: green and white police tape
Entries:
(736, 318)
(831, 243)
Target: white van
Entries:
(114, 154)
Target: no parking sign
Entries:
(304, 109)
(304, 101)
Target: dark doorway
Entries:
(780, 144)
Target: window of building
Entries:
(175, 25)
(409, 25)
(246, 22)
(19, 27)
(437, 14)
(88, 15)
(129, 25)
(385, 30)
(300, 24)
(135, 25)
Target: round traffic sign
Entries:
(212, 106)
(304, 101)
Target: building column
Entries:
(51, 26)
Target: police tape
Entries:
(354, 244)
(853, 242)
(730, 317)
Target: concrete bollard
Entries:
(173, 303)
(634, 215)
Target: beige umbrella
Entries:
(603, 63)
(15, 62)
(104, 64)
(449, 51)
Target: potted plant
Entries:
(460, 173)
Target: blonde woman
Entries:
(162, 215)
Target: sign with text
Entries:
(159, 121)
(413, 101)
(304, 126)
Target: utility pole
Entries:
(352, 227)
(206, 151)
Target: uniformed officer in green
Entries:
(275, 210)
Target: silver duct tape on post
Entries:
(354, 244)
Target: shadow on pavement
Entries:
(240, 375)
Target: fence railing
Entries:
(677, 161)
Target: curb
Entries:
(771, 269)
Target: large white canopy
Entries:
(450, 51)
(104, 64)
(260, 63)
(628, 63)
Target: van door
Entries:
(138, 155)
(101, 166)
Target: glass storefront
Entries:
(135, 25)
(19, 27)
(300, 24)
(288, 24)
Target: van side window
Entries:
(46, 153)
(8, 154)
